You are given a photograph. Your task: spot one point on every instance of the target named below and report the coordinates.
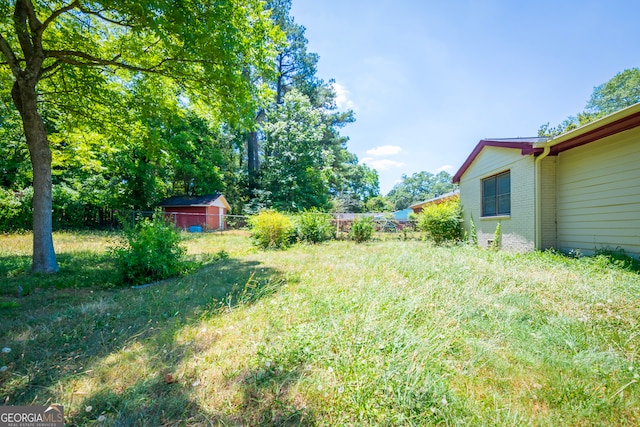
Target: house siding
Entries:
(518, 229)
(548, 209)
(598, 195)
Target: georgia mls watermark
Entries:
(32, 416)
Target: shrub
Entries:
(15, 209)
(474, 232)
(362, 229)
(497, 237)
(442, 222)
(271, 230)
(314, 226)
(617, 258)
(152, 251)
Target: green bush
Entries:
(442, 222)
(152, 251)
(616, 258)
(16, 209)
(362, 229)
(314, 226)
(271, 230)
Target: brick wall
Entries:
(518, 229)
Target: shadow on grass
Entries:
(86, 269)
(59, 336)
(266, 400)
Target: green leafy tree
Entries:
(66, 53)
(294, 70)
(621, 91)
(379, 204)
(419, 187)
(352, 184)
(294, 165)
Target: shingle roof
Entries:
(190, 200)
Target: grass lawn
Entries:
(385, 333)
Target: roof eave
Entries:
(619, 121)
(524, 147)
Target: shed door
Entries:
(598, 195)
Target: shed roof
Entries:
(208, 200)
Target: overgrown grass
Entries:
(85, 261)
(385, 333)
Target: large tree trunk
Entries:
(253, 159)
(25, 98)
(253, 152)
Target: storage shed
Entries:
(197, 213)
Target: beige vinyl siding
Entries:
(548, 197)
(598, 198)
(518, 229)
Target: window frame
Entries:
(495, 197)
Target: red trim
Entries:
(618, 126)
(524, 147)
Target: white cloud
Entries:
(343, 100)
(446, 168)
(385, 150)
(382, 164)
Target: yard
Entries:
(385, 333)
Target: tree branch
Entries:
(72, 57)
(104, 18)
(34, 22)
(12, 60)
(50, 69)
(55, 14)
(84, 59)
(22, 30)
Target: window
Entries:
(496, 195)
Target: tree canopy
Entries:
(419, 187)
(621, 91)
(113, 105)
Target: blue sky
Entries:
(429, 79)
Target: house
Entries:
(402, 215)
(453, 195)
(199, 213)
(579, 190)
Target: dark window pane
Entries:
(504, 204)
(489, 187)
(496, 195)
(504, 183)
(489, 206)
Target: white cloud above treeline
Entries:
(382, 164)
(384, 150)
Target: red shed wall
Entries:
(186, 216)
(213, 218)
